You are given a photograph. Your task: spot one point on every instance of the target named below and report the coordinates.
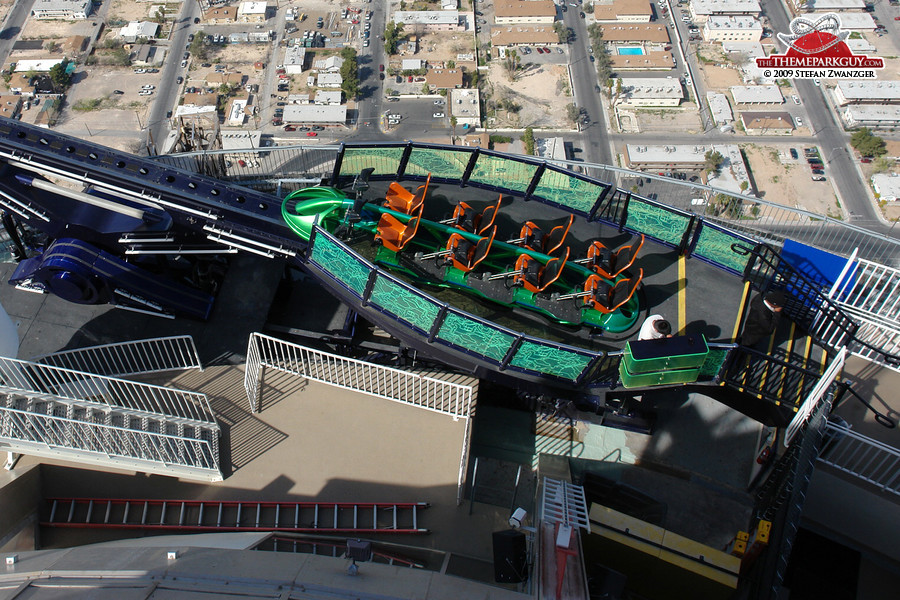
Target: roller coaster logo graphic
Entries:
(818, 48)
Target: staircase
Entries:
(198, 515)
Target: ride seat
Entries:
(606, 298)
(611, 264)
(394, 234)
(534, 276)
(468, 219)
(464, 255)
(400, 199)
(531, 236)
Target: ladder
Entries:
(209, 515)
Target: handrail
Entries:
(861, 456)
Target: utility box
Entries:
(664, 361)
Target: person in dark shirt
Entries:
(762, 318)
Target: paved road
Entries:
(584, 76)
(157, 126)
(12, 26)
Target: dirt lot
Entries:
(5, 5)
(684, 119)
(539, 90)
(783, 180)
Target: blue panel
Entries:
(821, 267)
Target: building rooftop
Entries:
(444, 78)
(733, 22)
(772, 120)
(465, 103)
(524, 8)
(508, 35)
(821, 5)
(315, 113)
(426, 17)
(328, 97)
(873, 112)
(252, 8)
(751, 49)
(713, 7)
(756, 94)
(609, 11)
(650, 60)
(887, 186)
(652, 87)
(40, 65)
(720, 108)
(853, 21)
(881, 89)
(636, 32)
(240, 140)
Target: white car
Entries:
(796, 99)
(438, 115)
(148, 86)
(183, 64)
(145, 92)
(817, 82)
(366, 44)
(438, 102)
(799, 121)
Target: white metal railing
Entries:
(53, 436)
(862, 457)
(816, 395)
(20, 376)
(448, 398)
(154, 355)
(564, 502)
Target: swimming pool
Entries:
(629, 50)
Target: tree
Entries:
(198, 46)
(883, 165)
(744, 185)
(867, 144)
(349, 73)
(51, 46)
(59, 76)
(562, 32)
(528, 140)
(511, 64)
(714, 161)
(572, 112)
(392, 34)
(453, 123)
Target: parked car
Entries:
(241, 162)
(438, 102)
(312, 134)
(799, 121)
(179, 80)
(381, 68)
(796, 99)
(148, 86)
(865, 159)
(196, 20)
(303, 129)
(169, 114)
(818, 178)
(794, 154)
(290, 128)
(438, 115)
(118, 92)
(318, 128)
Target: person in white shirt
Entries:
(654, 328)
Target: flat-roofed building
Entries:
(701, 10)
(719, 108)
(853, 21)
(830, 5)
(221, 15)
(252, 12)
(649, 61)
(887, 186)
(10, 105)
(624, 34)
(315, 114)
(881, 91)
(332, 64)
(511, 36)
(328, 97)
(767, 123)
(739, 28)
(330, 80)
(294, 60)
(465, 106)
(524, 11)
(235, 112)
(412, 64)
(444, 79)
(430, 20)
(148, 55)
(756, 94)
(20, 83)
(649, 91)
(197, 99)
(869, 115)
(138, 29)
(242, 144)
(61, 9)
(623, 11)
(39, 65)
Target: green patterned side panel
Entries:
(550, 360)
(502, 172)
(715, 358)
(385, 161)
(340, 263)
(656, 222)
(439, 163)
(407, 305)
(715, 245)
(566, 190)
(475, 336)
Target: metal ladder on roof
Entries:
(203, 515)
